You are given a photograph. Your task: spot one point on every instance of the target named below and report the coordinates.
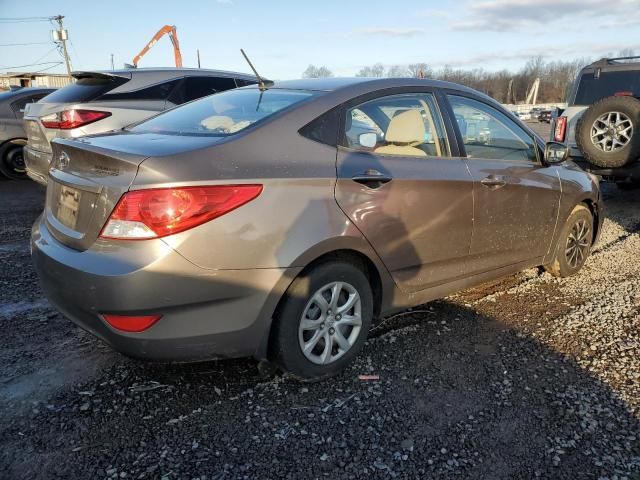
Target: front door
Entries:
(516, 197)
(400, 186)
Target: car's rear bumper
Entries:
(205, 313)
(37, 164)
(629, 172)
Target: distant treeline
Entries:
(556, 77)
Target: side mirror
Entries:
(368, 140)
(555, 153)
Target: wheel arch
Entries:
(355, 251)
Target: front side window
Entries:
(223, 114)
(406, 125)
(489, 134)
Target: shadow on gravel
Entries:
(459, 395)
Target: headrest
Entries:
(407, 127)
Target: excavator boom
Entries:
(173, 36)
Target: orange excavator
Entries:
(173, 36)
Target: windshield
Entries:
(222, 114)
(592, 89)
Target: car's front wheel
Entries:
(323, 320)
(574, 243)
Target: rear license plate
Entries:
(68, 204)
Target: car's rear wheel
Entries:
(323, 321)
(608, 134)
(12, 160)
(574, 243)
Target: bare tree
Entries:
(317, 72)
(419, 70)
(397, 71)
(376, 70)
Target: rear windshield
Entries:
(84, 90)
(222, 114)
(591, 89)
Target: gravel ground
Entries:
(525, 377)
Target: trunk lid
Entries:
(38, 137)
(87, 87)
(89, 175)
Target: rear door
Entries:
(398, 182)
(516, 197)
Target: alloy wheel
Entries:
(612, 131)
(331, 322)
(578, 243)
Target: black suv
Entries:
(601, 124)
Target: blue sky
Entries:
(283, 37)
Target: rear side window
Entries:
(18, 106)
(159, 91)
(193, 88)
(223, 114)
(405, 125)
(85, 89)
(592, 88)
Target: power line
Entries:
(31, 65)
(21, 44)
(37, 71)
(24, 19)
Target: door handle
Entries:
(492, 182)
(372, 178)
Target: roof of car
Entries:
(170, 71)
(364, 84)
(333, 84)
(24, 91)
(621, 63)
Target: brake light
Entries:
(130, 323)
(68, 119)
(561, 129)
(154, 213)
(623, 94)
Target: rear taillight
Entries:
(623, 94)
(560, 130)
(131, 323)
(155, 213)
(68, 119)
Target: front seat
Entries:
(405, 132)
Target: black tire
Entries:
(12, 161)
(628, 106)
(286, 350)
(562, 264)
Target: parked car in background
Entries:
(103, 101)
(12, 134)
(601, 124)
(522, 115)
(251, 223)
(545, 116)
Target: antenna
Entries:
(262, 83)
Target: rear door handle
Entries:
(372, 178)
(492, 182)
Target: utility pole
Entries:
(62, 36)
(198, 50)
(112, 68)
